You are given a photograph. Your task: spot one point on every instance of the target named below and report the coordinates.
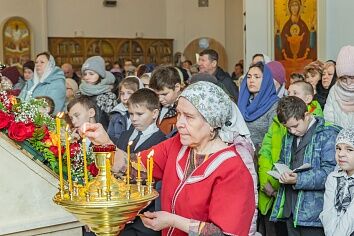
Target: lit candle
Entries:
(139, 166)
(84, 153)
(108, 174)
(68, 161)
(58, 126)
(128, 164)
(151, 165)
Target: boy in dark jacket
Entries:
(309, 140)
(143, 107)
(120, 121)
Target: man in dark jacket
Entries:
(208, 63)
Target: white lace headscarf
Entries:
(40, 79)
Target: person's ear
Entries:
(307, 116)
(92, 113)
(308, 99)
(155, 114)
(177, 87)
(214, 63)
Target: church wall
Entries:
(34, 11)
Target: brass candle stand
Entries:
(106, 204)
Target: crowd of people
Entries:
(218, 138)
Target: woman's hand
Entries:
(96, 133)
(158, 220)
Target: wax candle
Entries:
(108, 174)
(139, 166)
(150, 162)
(58, 126)
(128, 164)
(68, 160)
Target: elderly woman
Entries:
(48, 80)
(206, 187)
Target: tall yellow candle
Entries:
(58, 126)
(68, 160)
(108, 174)
(151, 165)
(128, 164)
(139, 166)
(151, 168)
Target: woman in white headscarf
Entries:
(206, 169)
(48, 80)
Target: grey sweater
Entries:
(258, 128)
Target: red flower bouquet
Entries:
(21, 131)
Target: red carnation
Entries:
(20, 131)
(5, 119)
(74, 149)
(93, 169)
(54, 150)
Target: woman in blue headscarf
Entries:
(258, 101)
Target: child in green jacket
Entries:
(270, 153)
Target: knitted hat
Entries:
(346, 136)
(70, 83)
(278, 71)
(96, 64)
(345, 61)
(11, 73)
(29, 65)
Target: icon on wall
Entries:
(203, 3)
(295, 33)
(16, 42)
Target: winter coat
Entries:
(270, 153)
(310, 185)
(334, 222)
(53, 86)
(226, 80)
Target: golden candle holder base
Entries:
(106, 211)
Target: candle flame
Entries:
(138, 154)
(60, 114)
(151, 153)
(67, 128)
(130, 143)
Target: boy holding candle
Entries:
(143, 107)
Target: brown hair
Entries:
(85, 101)
(164, 77)
(47, 54)
(131, 83)
(291, 107)
(145, 97)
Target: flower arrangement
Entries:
(25, 123)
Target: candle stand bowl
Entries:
(106, 212)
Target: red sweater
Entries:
(219, 191)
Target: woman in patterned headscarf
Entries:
(338, 209)
(206, 187)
